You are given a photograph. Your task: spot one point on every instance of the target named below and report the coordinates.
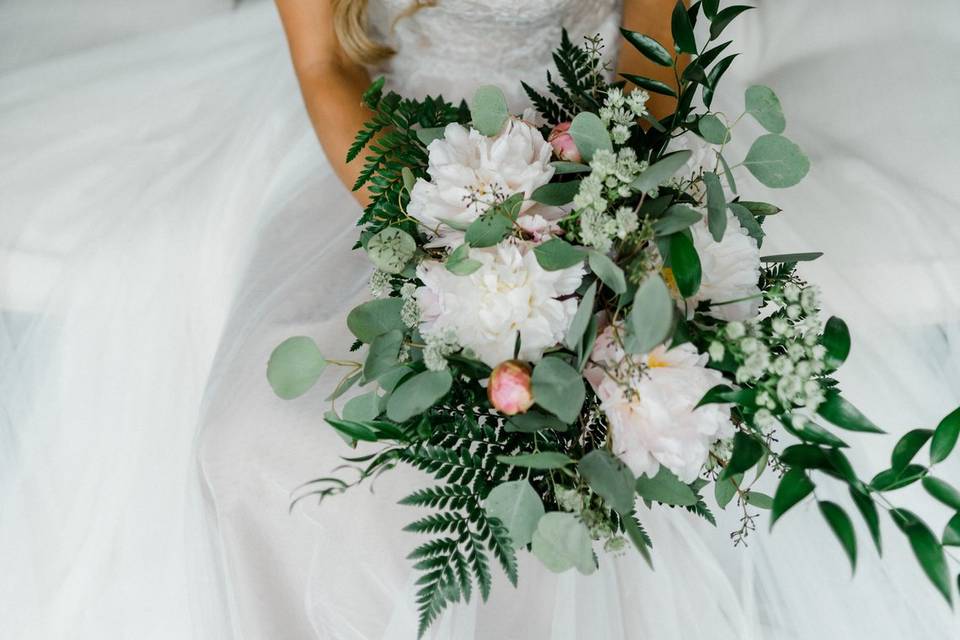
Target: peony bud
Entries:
(563, 144)
(509, 388)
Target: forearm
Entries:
(331, 92)
(652, 18)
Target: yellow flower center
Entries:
(653, 362)
(670, 281)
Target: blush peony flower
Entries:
(509, 293)
(653, 422)
(509, 390)
(469, 172)
(563, 144)
(731, 271)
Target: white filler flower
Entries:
(470, 171)
(649, 403)
(731, 271)
(510, 293)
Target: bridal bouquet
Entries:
(574, 322)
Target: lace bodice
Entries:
(452, 47)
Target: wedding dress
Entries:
(167, 219)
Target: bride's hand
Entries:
(331, 83)
(652, 18)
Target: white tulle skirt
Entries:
(167, 218)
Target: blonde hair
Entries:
(350, 25)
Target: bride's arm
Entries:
(652, 18)
(330, 82)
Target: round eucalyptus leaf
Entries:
(589, 134)
(558, 388)
(562, 542)
(555, 254)
(610, 479)
(375, 318)
(651, 318)
(764, 106)
(391, 249)
(518, 507)
(362, 408)
(418, 394)
(713, 130)
(383, 354)
(661, 171)
(776, 161)
(488, 110)
(294, 366)
(608, 272)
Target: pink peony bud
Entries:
(509, 388)
(563, 144)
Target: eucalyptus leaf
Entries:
(375, 318)
(589, 134)
(759, 500)
(842, 527)
(945, 437)
(725, 490)
(417, 394)
(426, 136)
(728, 173)
(677, 218)
(748, 222)
(562, 542)
(488, 110)
(665, 487)
(650, 321)
(408, 179)
(533, 421)
(362, 408)
(556, 254)
(558, 388)
(294, 367)
(764, 106)
(610, 479)
(539, 460)
(488, 229)
(518, 507)
(661, 171)
(713, 130)
(556, 193)
(582, 317)
(460, 263)
(562, 167)
(383, 354)
(650, 48)
(608, 272)
(716, 206)
(776, 161)
(760, 208)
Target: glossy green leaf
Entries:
(716, 206)
(747, 222)
(539, 460)
(792, 257)
(728, 173)
(713, 130)
(908, 446)
(805, 456)
(589, 134)
(383, 354)
(582, 318)
(558, 388)
(488, 110)
(556, 193)
(840, 412)
(842, 527)
(609, 273)
(665, 487)
(654, 86)
(794, 487)
(945, 437)
(408, 179)
(294, 367)
(723, 18)
(650, 48)
(460, 263)
(893, 479)
(375, 318)
(710, 8)
(870, 516)
(650, 321)
(562, 542)
(836, 340)
(760, 208)
(685, 264)
(951, 533)
(764, 106)
(518, 507)
(927, 549)
(661, 171)
(942, 491)
(555, 254)
(812, 432)
(776, 161)
(713, 78)
(747, 450)
(610, 479)
(682, 29)
(677, 218)
(417, 394)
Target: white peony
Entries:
(731, 271)
(511, 292)
(469, 172)
(654, 422)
